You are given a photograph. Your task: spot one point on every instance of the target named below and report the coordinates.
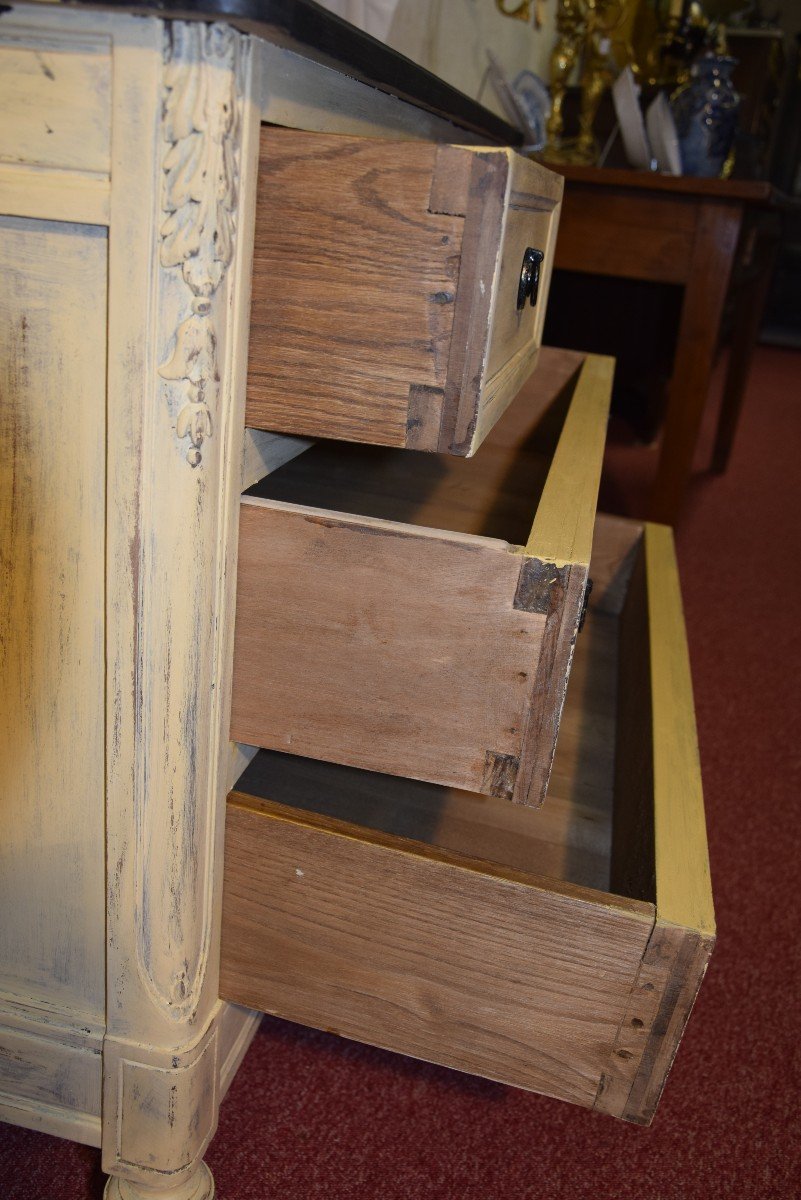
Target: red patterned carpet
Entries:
(312, 1117)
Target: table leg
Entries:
(714, 247)
(748, 316)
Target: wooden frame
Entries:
(497, 940)
(429, 645)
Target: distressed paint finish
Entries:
(170, 551)
(170, 1048)
(179, 274)
(54, 97)
(178, 623)
(51, 619)
(52, 497)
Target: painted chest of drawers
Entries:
(147, 376)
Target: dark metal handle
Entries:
(529, 285)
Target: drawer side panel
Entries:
(452, 964)
(382, 646)
(354, 283)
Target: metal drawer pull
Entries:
(529, 285)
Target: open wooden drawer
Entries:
(399, 287)
(415, 614)
(558, 950)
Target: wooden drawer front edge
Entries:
(536, 982)
(660, 843)
(507, 204)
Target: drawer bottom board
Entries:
(524, 946)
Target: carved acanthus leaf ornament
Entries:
(201, 126)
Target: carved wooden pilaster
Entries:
(182, 197)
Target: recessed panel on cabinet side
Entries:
(52, 496)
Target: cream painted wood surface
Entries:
(51, 1071)
(684, 892)
(52, 498)
(54, 195)
(179, 278)
(54, 97)
(531, 219)
(565, 519)
(300, 93)
(175, 458)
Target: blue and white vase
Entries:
(705, 112)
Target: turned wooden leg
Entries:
(199, 1186)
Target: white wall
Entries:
(449, 37)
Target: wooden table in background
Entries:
(704, 234)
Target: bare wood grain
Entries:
(509, 204)
(568, 839)
(353, 630)
(353, 285)
(484, 205)
(453, 961)
(378, 644)
(566, 590)
(681, 958)
(615, 544)
(448, 961)
(494, 495)
(386, 279)
(561, 540)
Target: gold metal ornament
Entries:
(586, 31)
